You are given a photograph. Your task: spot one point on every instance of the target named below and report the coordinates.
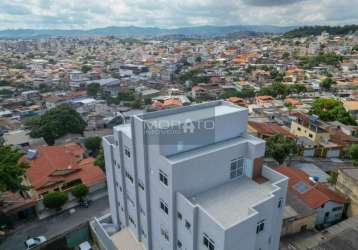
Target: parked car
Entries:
(32, 242)
(85, 246)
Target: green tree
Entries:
(12, 170)
(86, 68)
(93, 145)
(333, 176)
(55, 200)
(80, 191)
(327, 83)
(353, 153)
(137, 103)
(148, 101)
(331, 110)
(280, 148)
(56, 123)
(100, 160)
(93, 89)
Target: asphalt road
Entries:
(55, 225)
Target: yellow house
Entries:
(314, 134)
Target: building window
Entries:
(164, 206)
(299, 129)
(260, 226)
(236, 168)
(142, 211)
(179, 244)
(187, 225)
(164, 233)
(163, 177)
(337, 209)
(131, 220)
(179, 216)
(130, 200)
(127, 152)
(129, 176)
(310, 135)
(208, 242)
(280, 202)
(143, 233)
(141, 185)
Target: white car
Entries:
(34, 241)
(85, 246)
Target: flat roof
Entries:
(182, 156)
(232, 202)
(194, 112)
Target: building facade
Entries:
(192, 178)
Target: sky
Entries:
(87, 14)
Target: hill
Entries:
(317, 30)
(133, 31)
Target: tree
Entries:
(333, 176)
(353, 153)
(93, 145)
(331, 110)
(327, 83)
(86, 68)
(100, 160)
(80, 191)
(93, 89)
(280, 148)
(12, 170)
(148, 101)
(55, 200)
(56, 123)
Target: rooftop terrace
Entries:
(232, 202)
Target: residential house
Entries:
(60, 168)
(328, 204)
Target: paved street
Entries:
(54, 226)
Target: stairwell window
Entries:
(164, 206)
(164, 233)
(163, 177)
(260, 226)
(236, 168)
(208, 242)
(127, 152)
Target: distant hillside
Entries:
(132, 31)
(317, 30)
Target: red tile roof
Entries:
(62, 164)
(317, 193)
(270, 129)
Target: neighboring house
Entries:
(347, 184)
(310, 128)
(192, 185)
(237, 101)
(264, 101)
(351, 107)
(298, 216)
(60, 168)
(328, 204)
(265, 130)
(22, 140)
(340, 138)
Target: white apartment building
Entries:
(192, 179)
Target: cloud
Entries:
(173, 13)
(270, 3)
